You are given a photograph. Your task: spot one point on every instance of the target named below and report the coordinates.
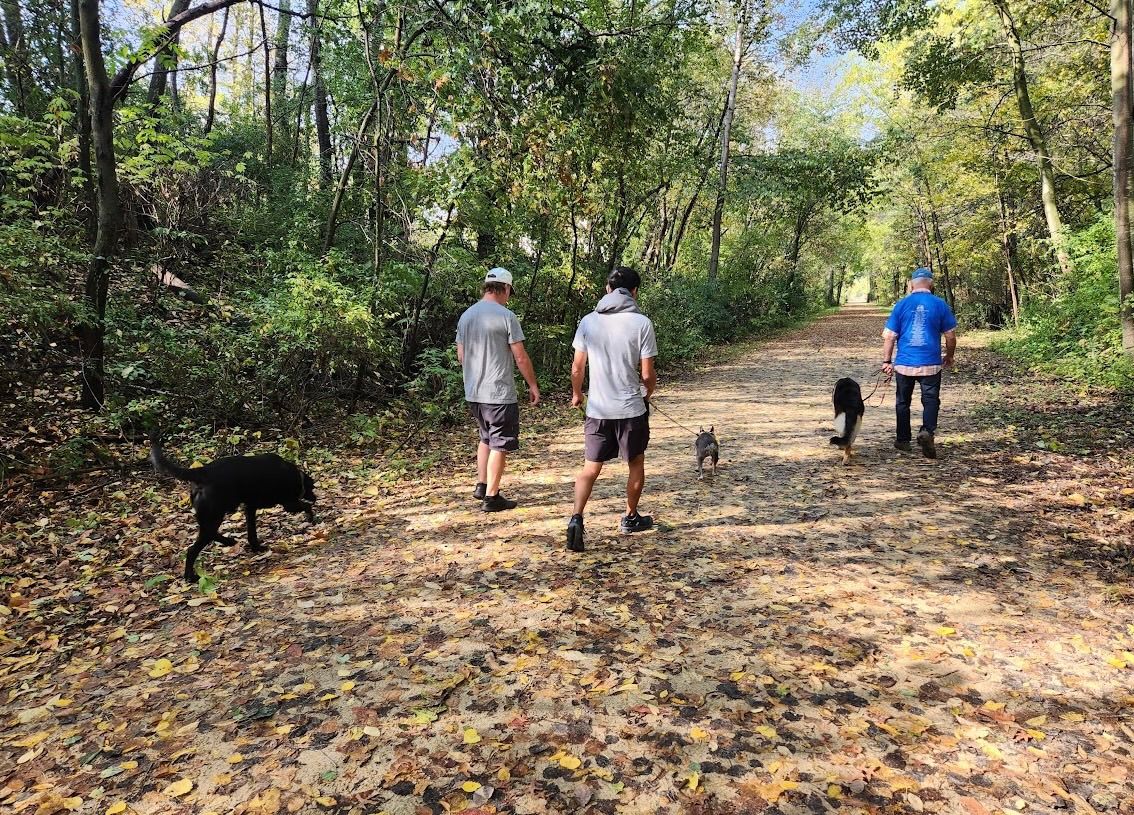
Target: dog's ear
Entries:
(711, 428)
(700, 428)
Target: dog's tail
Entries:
(165, 466)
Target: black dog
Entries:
(706, 447)
(849, 409)
(220, 487)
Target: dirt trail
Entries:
(897, 636)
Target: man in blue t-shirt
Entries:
(916, 325)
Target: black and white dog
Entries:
(849, 408)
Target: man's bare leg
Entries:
(482, 463)
(495, 471)
(584, 483)
(635, 482)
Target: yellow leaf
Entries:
(990, 705)
(62, 702)
(693, 781)
(162, 667)
(1116, 662)
(202, 639)
(471, 736)
(72, 804)
(470, 786)
(736, 676)
(1037, 721)
(1038, 735)
(570, 763)
(178, 788)
(834, 791)
(1078, 499)
(32, 740)
(503, 774)
(116, 808)
(767, 732)
(326, 801)
(235, 758)
(128, 765)
(346, 687)
(1072, 716)
(698, 733)
(946, 631)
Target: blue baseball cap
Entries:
(921, 273)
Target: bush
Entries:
(1076, 333)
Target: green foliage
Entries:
(1075, 332)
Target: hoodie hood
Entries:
(618, 301)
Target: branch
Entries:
(167, 33)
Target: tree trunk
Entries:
(738, 49)
(267, 91)
(344, 179)
(210, 117)
(92, 332)
(165, 61)
(83, 123)
(279, 74)
(1036, 137)
(1011, 264)
(16, 57)
(1123, 108)
(831, 286)
(942, 257)
(322, 119)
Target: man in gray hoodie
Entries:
(617, 341)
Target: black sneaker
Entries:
(480, 491)
(497, 503)
(927, 444)
(575, 533)
(636, 523)
(904, 446)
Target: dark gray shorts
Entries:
(499, 425)
(604, 439)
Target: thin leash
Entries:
(882, 379)
(654, 406)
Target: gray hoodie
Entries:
(616, 337)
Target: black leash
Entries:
(653, 405)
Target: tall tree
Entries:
(1035, 135)
(739, 49)
(322, 119)
(1122, 90)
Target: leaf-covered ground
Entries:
(897, 636)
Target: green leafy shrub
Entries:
(1075, 333)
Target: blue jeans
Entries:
(930, 402)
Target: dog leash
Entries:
(879, 382)
(653, 405)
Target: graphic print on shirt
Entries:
(918, 334)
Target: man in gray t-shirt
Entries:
(617, 342)
(489, 339)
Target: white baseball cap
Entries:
(498, 275)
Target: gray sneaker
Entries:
(904, 446)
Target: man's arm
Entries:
(889, 338)
(649, 376)
(524, 363)
(950, 347)
(578, 371)
(461, 353)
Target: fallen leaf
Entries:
(161, 668)
(178, 788)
